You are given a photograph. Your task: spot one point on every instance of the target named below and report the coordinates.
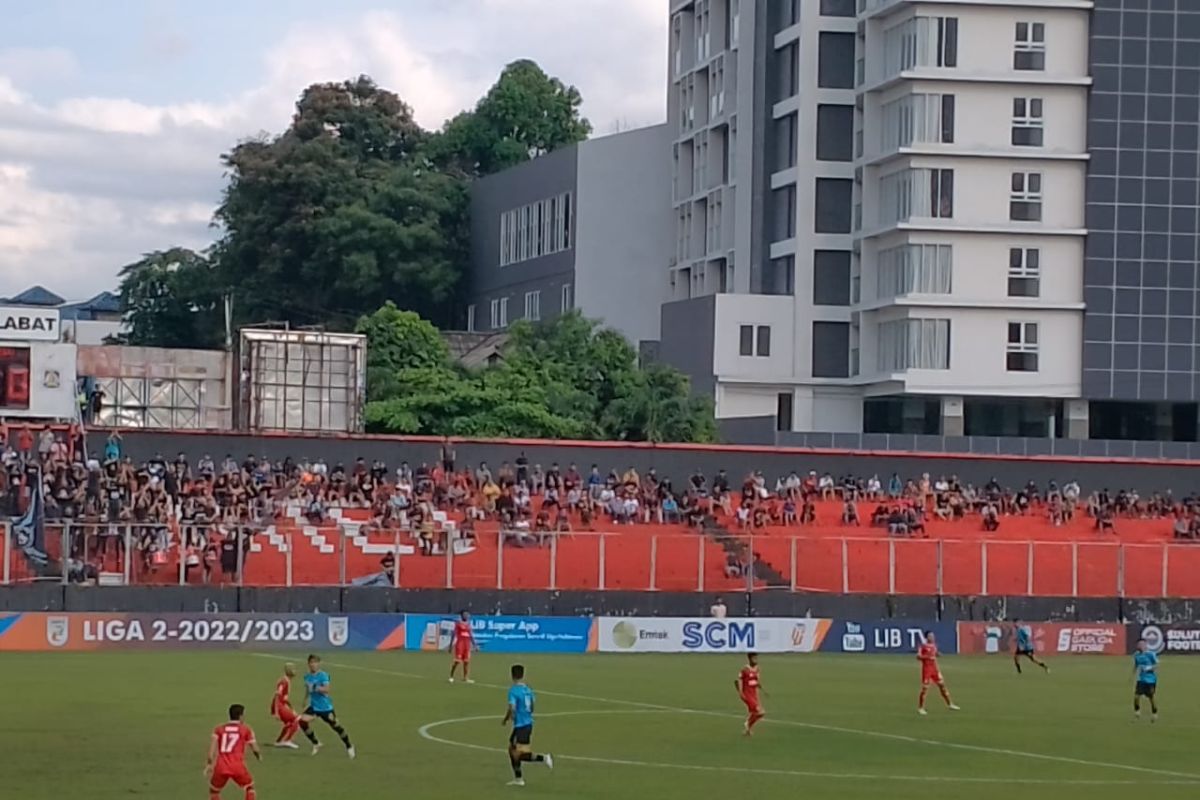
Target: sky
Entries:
(114, 115)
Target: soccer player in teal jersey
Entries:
(1025, 647)
(1145, 670)
(319, 705)
(520, 713)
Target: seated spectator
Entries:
(670, 510)
(789, 511)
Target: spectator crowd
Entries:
(215, 507)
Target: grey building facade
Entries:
(1141, 360)
(585, 227)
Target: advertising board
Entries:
(1167, 639)
(85, 631)
(847, 636)
(505, 634)
(1053, 638)
(707, 635)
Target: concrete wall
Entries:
(539, 179)
(210, 368)
(688, 328)
(338, 600)
(623, 239)
(679, 461)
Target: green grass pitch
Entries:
(123, 725)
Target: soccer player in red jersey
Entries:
(462, 642)
(748, 684)
(281, 709)
(927, 654)
(227, 755)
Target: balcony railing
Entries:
(625, 559)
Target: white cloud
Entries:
(89, 183)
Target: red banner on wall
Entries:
(1052, 638)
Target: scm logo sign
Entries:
(718, 635)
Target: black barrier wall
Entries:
(675, 462)
(203, 599)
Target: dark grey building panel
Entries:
(1140, 277)
(688, 327)
(540, 179)
(835, 60)
(831, 349)
(835, 133)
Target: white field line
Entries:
(425, 731)
(896, 737)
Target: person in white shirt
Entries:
(718, 609)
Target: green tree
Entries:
(170, 299)
(657, 405)
(399, 342)
(340, 212)
(526, 114)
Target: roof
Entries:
(105, 303)
(36, 296)
(475, 349)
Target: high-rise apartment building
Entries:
(945, 217)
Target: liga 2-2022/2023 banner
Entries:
(41, 631)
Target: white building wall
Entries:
(622, 235)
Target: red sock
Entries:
(945, 694)
(921, 699)
(289, 730)
(755, 718)
(213, 794)
(250, 793)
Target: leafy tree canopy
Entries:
(565, 378)
(353, 205)
(168, 299)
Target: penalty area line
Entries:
(896, 737)
(426, 732)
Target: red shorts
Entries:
(462, 652)
(285, 714)
(753, 705)
(223, 775)
(929, 677)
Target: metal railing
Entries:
(628, 559)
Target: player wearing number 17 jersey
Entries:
(927, 654)
(227, 755)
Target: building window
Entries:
(941, 193)
(1025, 203)
(921, 42)
(533, 306)
(918, 119)
(1027, 126)
(1030, 52)
(783, 205)
(734, 23)
(835, 60)
(471, 318)
(837, 8)
(915, 269)
(565, 202)
(947, 42)
(503, 312)
(746, 340)
(504, 255)
(763, 341)
(568, 300)
(783, 411)
(835, 137)
(1024, 272)
(495, 319)
(677, 43)
(1022, 352)
(913, 344)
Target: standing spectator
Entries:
(449, 456)
(718, 610)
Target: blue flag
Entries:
(30, 528)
